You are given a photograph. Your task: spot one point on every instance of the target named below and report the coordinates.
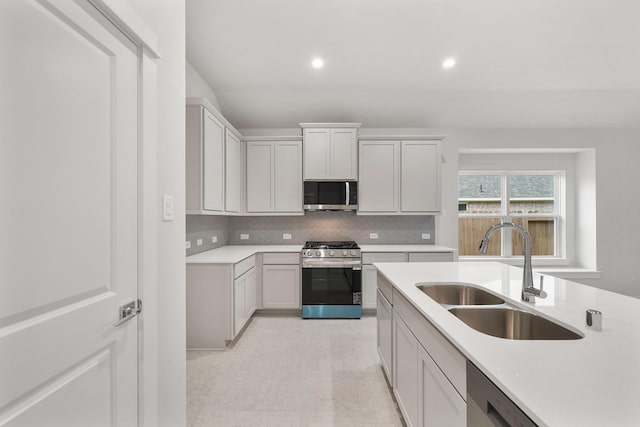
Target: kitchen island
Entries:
(592, 381)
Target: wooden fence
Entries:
(472, 230)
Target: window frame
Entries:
(559, 215)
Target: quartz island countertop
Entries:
(593, 381)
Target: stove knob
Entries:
(353, 253)
(317, 253)
(309, 252)
(344, 253)
(332, 253)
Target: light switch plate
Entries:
(167, 208)
(199, 242)
(214, 239)
(373, 235)
(187, 244)
(286, 236)
(244, 237)
(426, 236)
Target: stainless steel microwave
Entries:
(330, 195)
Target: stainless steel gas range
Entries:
(331, 280)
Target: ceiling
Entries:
(526, 63)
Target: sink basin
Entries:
(456, 293)
(512, 324)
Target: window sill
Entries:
(557, 267)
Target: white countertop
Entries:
(236, 253)
(405, 248)
(594, 381)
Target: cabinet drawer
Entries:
(450, 361)
(430, 256)
(371, 257)
(281, 258)
(386, 288)
(243, 266)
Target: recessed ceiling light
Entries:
(449, 62)
(317, 63)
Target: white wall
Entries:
(167, 20)
(198, 88)
(617, 152)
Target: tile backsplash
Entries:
(332, 226)
(205, 228)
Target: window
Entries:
(531, 199)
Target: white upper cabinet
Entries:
(378, 185)
(330, 151)
(274, 177)
(233, 172)
(213, 162)
(399, 177)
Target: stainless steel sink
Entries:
(514, 324)
(456, 293)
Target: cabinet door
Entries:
(420, 176)
(384, 317)
(439, 404)
(288, 176)
(344, 154)
(233, 170)
(239, 313)
(317, 153)
(369, 286)
(260, 197)
(213, 163)
(281, 286)
(405, 370)
(378, 185)
(250, 294)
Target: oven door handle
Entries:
(355, 265)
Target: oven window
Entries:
(327, 286)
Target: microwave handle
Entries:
(346, 202)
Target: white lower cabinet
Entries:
(405, 370)
(385, 326)
(244, 299)
(428, 371)
(439, 404)
(220, 299)
(280, 283)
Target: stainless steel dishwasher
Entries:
(488, 406)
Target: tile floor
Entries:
(285, 371)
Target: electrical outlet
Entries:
(426, 236)
(187, 244)
(373, 235)
(244, 237)
(167, 208)
(199, 242)
(214, 239)
(286, 236)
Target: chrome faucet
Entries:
(529, 291)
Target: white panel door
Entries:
(260, 174)
(288, 176)
(317, 153)
(378, 184)
(344, 154)
(213, 163)
(233, 171)
(420, 176)
(69, 246)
